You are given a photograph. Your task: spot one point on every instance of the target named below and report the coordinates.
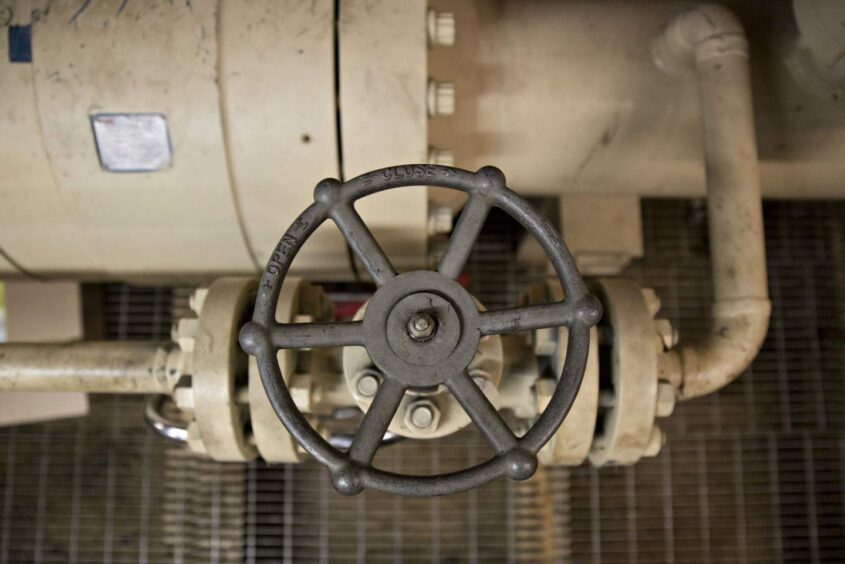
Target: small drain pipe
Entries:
(711, 40)
(87, 366)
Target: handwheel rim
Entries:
(353, 471)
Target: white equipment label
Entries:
(132, 142)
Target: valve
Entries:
(408, 363)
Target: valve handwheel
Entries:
(421, 329)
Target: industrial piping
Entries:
(711, 39)
(95, 367)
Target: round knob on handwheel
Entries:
(421, 329)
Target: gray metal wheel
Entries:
(397, 330)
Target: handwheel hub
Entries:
(421, 328)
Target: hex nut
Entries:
(422, 416)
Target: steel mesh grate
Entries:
(756, 472)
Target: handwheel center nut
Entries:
(422, 326)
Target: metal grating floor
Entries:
(754, 473)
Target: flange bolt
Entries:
(367, 383)
(423, 416)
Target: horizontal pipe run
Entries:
(96, 367)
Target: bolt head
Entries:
(423, 415)
(441, 28)
(367, 384)
(440, 98)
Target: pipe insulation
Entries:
(711, 40)
(97, 367)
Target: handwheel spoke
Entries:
(376, 421)
(482, 412)
(363, 244)
(312, 335)
(463, 236)
(526, 318)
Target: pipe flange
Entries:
(571, 444)
(629, 406)
(298, 300)
(217, 366)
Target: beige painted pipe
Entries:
(712, 40)
(104, 367)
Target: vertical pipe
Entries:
(711, 39)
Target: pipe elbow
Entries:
(739, 329)
(706, 31)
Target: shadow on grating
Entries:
(753, 473)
